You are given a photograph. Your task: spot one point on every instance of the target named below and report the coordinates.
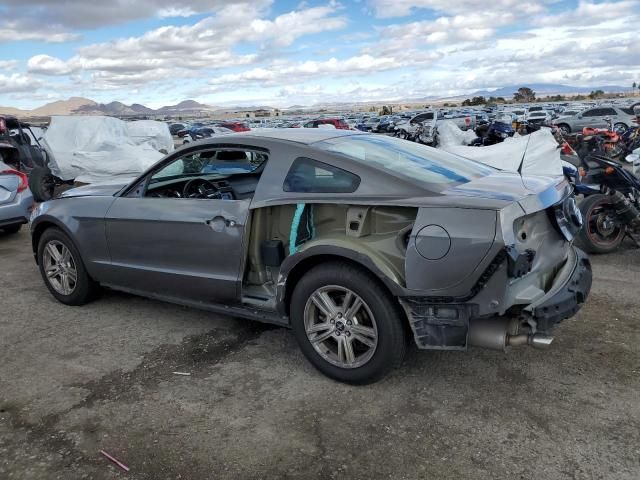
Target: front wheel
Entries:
(62, 269)
(602, 231)
(347, 324)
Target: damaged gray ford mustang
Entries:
(355, 241)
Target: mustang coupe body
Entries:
(356, 241)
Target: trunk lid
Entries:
(529, 192)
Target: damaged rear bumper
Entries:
(567, 294)
(445, 326)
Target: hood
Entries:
(94, 190)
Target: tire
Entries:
(565, 128)
(84, 288)
(41, 183)
(589, 238)
(620, 128)
(379, 318)
(11, 229)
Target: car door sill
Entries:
(249, 313)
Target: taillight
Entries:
(23, 181)
(3, 126)
(609, 170)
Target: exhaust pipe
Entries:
(494, 334)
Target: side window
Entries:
(591, 113)
(609, 111)
(310, 176)
(225, 173)
(183, 166)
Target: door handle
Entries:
(218, 223)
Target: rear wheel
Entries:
(62, 269)
(620, 128)
(564, 128)
(602, 232)
(347, 324)
(41, 183)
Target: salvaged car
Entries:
(356, 241)
(15, 199)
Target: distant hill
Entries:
(85, 106)
(547, 89)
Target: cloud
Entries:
(294, 72)
(403, 8)
(589, 13)
(86, 14)
(206, 44)
(18, 83)
(16, 31)
(240, 50)
(8, 64)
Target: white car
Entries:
(539, 117)
(421, 127)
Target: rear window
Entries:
(408, 159)
(423, 116)
(311, 176)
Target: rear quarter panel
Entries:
(472, 235)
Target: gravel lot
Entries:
(74, 381)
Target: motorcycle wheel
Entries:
(41, 183)
(600, 233)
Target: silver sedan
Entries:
(16, 200)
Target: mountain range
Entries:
(549, 89)
(85, 106)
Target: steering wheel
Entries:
(200, 188)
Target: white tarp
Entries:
(154, 133)
(95, 149)
(542, 153)
(450, 135)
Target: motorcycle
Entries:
(611, 205)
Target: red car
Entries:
(338, 123)
(235, 126)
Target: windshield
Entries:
(219, 162)
(408, 159)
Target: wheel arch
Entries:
(40, 227)
(295, 266)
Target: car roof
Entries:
(305, 136)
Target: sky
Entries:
(284, 53)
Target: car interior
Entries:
(229, 174)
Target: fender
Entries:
(378, 267)
(35, 233)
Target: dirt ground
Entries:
(74, 381)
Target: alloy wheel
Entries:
(340, 326)
(60, 267)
